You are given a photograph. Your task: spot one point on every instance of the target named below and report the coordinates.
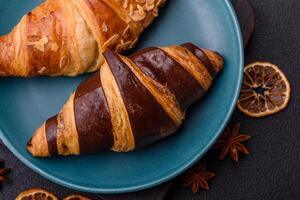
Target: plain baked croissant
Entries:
(132, 102)
(68, 37)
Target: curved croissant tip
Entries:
(37, 145)
(216, 58)
(219, 61)
(30, 147)
(29, 143)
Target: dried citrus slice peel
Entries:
(76, 197)
(36, 194)
(265, 90)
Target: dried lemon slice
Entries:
(265, 90)
(76, 197)
(36, 194)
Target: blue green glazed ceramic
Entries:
(26, 103)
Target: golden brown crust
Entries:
(67, 136)
(68, 37)
(215, 59)
(45, 38)
(7, 57)
(38, 145)
(122, 131)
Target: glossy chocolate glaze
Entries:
(92, 117)
(51, 135)
(148, 119)
(159, 66)
(202, 57)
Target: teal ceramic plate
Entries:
(26, 103)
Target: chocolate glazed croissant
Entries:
(68, 37)
(132, 102)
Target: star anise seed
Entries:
(231, 143)
(3, 172)
(197, 178)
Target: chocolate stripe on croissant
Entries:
(132, 102)
(159, 66)
(160, 92)
(92, 117)
(51, 135)
(202, 57)
(191, 63)
(122, 131)
(148, 119)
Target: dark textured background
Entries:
(272, 171)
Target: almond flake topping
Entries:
(123, 46)
(126, 32)
(54, 47)
(111, 41)
(63, 62)
(160, 2)
(138, 9)
(125, 4)
(104, 27)
(139, 14)
(150, 4)
(155, 12)
(42, 70)
(131, 9)
(40, 44)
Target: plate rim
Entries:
(174, 173)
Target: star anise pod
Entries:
(231, 143)
(197, 178)
(3, 172)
